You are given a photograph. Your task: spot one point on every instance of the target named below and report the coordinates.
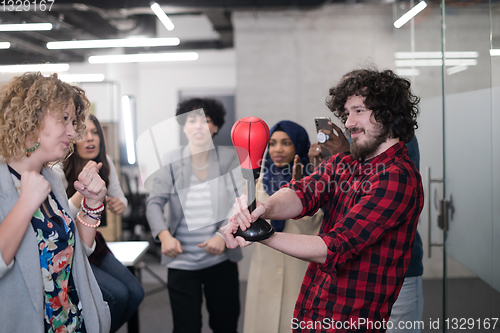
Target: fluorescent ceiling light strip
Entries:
(435, 55)
(435, 62)
(4, 45)
(129, 133)
(456, 69)
(105, 43)
(410, 14)
(144, 57)
(495, 52)
(53, 68)
(461, 55)
(162, 16)
(26, 27)
(82, 77)
(408, 71)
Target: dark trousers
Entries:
(220, 285)
(119, 288)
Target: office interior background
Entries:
(276, 60)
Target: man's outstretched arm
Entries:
(305, 247)
(282, 205)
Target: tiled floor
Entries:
(471, 298)
(154, 312)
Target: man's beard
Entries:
(359, 152)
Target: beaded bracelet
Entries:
(92, 210)
(85, 223)
(98, 217)
(88, 210)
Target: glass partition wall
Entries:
(495, 147)
(459, 139)
(469, 168)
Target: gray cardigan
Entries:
(164, 190)
(21, 289)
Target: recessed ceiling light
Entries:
(26, 27)
(106, 43)
(436, 55)
(456, 69)
(44, 68)
(143, 57)
(410, 14)
(162, 16)
(435, 62)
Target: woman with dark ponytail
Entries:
(119, 287)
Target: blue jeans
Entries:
(407, 311)
(119, 288)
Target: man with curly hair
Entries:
(372, 198)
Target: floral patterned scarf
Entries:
(55, 234)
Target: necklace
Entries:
(199, 168)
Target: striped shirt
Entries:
(197, 226)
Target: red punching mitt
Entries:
(250, 137)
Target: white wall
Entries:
(156, 85)
(160, 83)
(288, 60)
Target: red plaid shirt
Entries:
(371, 214)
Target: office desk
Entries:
(130, 255)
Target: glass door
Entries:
(459, 139)
(469, 212)
(418, 58)
(495, 128)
